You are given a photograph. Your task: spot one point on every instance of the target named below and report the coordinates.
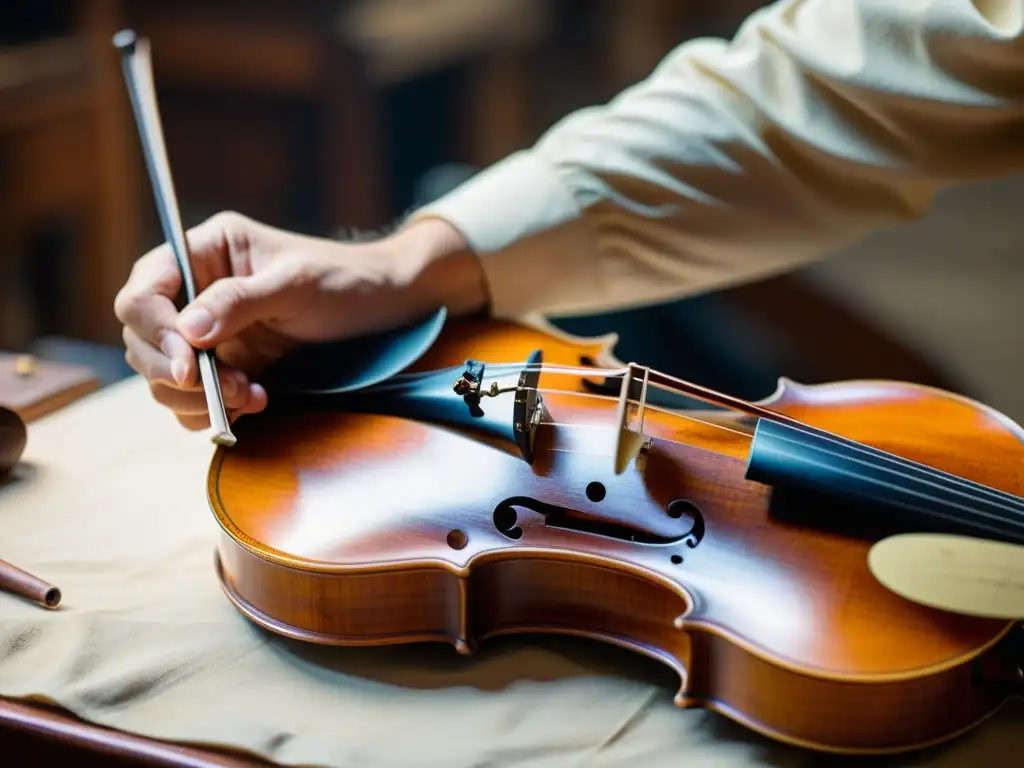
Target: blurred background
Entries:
(325, 116)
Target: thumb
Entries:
(228, 306)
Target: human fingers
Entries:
(230, 305)
(175, 362)
(194, 423)
(234, 386)
(146, 302)
(145, 306)
(197, 421)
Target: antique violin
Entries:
(461, 479)
(456, 501)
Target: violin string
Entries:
(519, 368)
(979, 515)
(1006, 502)
(1015, 503)
(558, 368)
(656, 409)
(1001, 525)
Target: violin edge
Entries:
(853, 718)
(788, 392)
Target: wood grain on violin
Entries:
(347, 523)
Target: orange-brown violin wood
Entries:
(356, 529)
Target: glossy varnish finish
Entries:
(362, 529)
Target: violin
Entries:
(458, 501)
(457, 480)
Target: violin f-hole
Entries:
(678, 508)
(506, 521)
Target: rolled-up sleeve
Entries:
(819, 122)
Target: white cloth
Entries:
(821, 121)
(112, 508)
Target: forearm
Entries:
(822, 121)
(430, 264)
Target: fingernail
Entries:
(179, 370)
(196, 322)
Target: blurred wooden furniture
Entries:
(266, 110)
(495, 45)
(36, 388)
(63, 168)
(230, 76)
(271, 107)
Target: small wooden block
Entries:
(33, 388)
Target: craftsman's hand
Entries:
(262, 291)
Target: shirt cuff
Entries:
(520, 218)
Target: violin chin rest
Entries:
(960, 574)
(355, 363)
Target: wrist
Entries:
(434, 266)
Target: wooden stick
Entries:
(138, 75)
(15, 581)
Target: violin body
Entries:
(351, 527)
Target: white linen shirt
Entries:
(819, 122)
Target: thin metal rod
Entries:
(138, 75)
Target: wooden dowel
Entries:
(138, 76)
(15, 581)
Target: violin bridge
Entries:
(528, 410)
(631, 444)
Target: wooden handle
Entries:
(138, 75)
